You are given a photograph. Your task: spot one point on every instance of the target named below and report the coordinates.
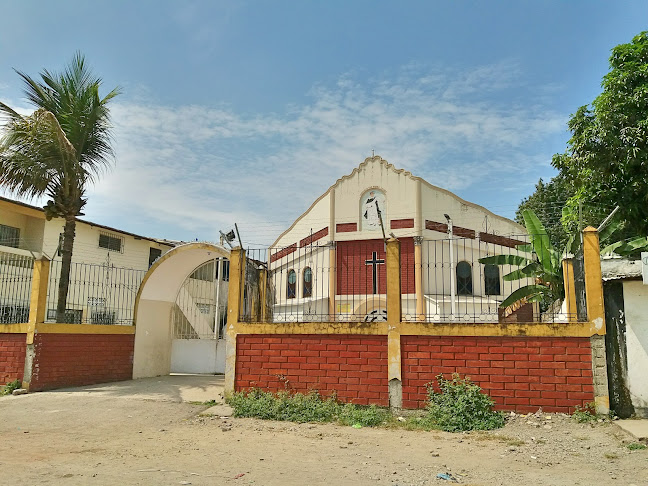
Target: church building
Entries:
(330, 264)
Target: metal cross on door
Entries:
(374, 262)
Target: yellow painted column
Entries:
(418, 278)
(234, 299)
(394, 323)
(332, 281)
(38, 300)
(37, 310)
(596, 317)
(593, 280)
(570, 289)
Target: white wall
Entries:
(134, 254)
(635, 296)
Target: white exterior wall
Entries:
(31, 228)
(398, 187)
(316, 218)
(406, 197)
(635, 296)
(134, 254)
(100, 288)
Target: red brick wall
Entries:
(520, 374)
(12, 357)
(355, 367)
(81, 359)
(354, 276)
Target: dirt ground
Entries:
(83, 436)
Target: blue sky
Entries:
(247, 111)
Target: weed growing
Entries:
(10, 387)
(299, 407)
(636, 446)
(460, 405)
(585, 414)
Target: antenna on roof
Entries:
(238, 234)
(227, 238)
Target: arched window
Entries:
(292, 284)
(307, 284)
(464, 278)
(491, 280)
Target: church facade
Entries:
(330, 264)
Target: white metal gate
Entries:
(198, 319)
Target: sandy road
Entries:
(115, 436)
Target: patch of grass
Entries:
(636, 446)
(299, 407)
(10, 387)
(611, 455)
(460, 405)
(207, 402)
(366, 416)
(585, 414)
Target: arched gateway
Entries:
(162, 308)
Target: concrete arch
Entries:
(154, 302)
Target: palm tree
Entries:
(58, 150)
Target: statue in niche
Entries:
(372, 209)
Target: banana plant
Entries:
(537, 260)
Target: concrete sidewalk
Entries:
(638, 428)
(172, 388)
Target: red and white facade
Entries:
(330, 263)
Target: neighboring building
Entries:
(626, 316)
(108, 265)
(330, 264)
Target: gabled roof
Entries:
(379, 159)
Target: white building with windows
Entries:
(114, 262)
(330, 263)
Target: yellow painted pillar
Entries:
(332, 281)
(570, 289)
(593, 280)
(596, 317)
(37, 310)
(234, 299)
(394, 323)
(418, 278)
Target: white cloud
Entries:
(193, 170)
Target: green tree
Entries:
(607, 156)
(547, 203)
(59, 149)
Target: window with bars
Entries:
(307, 287)
(291, 290)
(464, 279)
(491, 280)
(111, 242)
(9, 236)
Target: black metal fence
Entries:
(345, 281)
(16, 273)
(463, 279)
(501, 279)
(97, 294)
